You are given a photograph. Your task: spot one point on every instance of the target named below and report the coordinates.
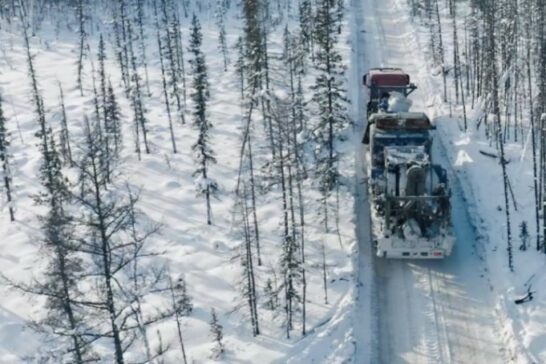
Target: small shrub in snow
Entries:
(184, 304)
(217, 335)
(523, 235)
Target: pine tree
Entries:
(164, 77)
(200, 96)
(142, 284)
(120, 45)
(493, 77)
(240, 66)
(523, 235)
(179, 52)
(114, 244)
(290, 264)
(137, 99)
(60, 288)
(182, 300)
(142, 41)
(220, 22)
(306, 26)
(104, 160)
(4, 159)
(66, 150)
(249, 291)
(113, 121)
(217, 335)
(125, 40)
(293, 55)
(173, 66)
(270, 294)
(324, 273)
(265, 78)
(329, 95)
(181, 306)
(253, 47)
(82, 46)
(104, 222)
(102, 104)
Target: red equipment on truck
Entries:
(382, 81)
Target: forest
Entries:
(87, 142)
(179, 178)
(492, 59)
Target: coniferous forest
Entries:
(172, 164)
(184, 181)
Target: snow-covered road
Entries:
(421, 311)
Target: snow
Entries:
(398, 102)
(203, 255)
(457, 310)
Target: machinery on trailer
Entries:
(409, 194)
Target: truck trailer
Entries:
(409, 194)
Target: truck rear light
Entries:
(437, 254)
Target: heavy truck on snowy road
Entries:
(409, 195)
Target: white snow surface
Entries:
(398, 102)
(203, 254)
(459, 310)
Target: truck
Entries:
(409, 195)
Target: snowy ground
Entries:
(203, 255)
(459, 310)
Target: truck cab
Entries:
(382, 81)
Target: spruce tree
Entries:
(249, 291)
(164, 77)
(66, 150)
(102, 101)
(181, 306)
(305, 12)
(172, 64)
(252, 70)
(217, 335)
(220, 22)
(112, 114)
(179, 52)
(4, 159)
(523, 235)
(293, 55)
(290, 263)
(270, 294)
(137, 99)
(329, 96)
(119, 39)
(115, 241)
(63, 317)
(141, 34)
(200, 96)
(181, 298)
(82, 45)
